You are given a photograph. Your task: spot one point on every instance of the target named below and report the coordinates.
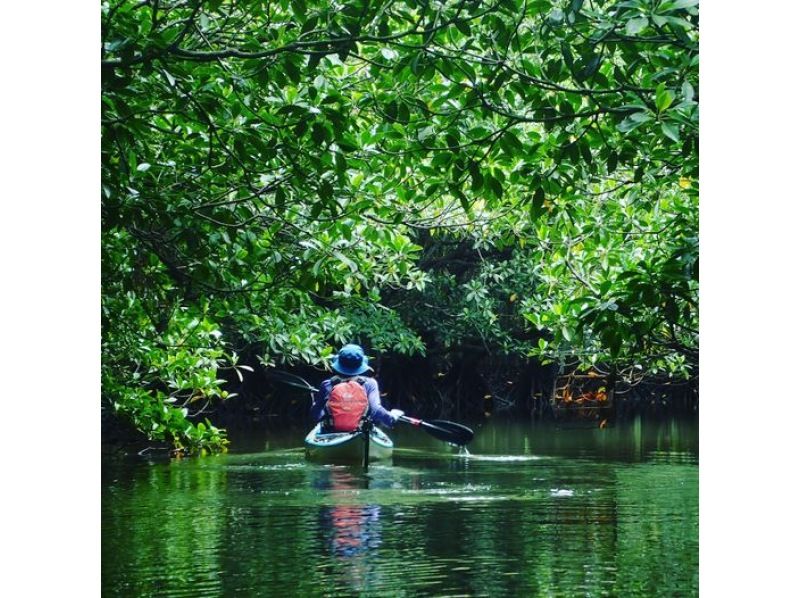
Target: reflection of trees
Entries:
(658, 530)
(635, 441)
(617, 516)
(531, 544)
(626, 529)
(172, 521)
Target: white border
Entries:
(50, 248)
(49, 243)
(749, 299)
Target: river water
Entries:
(532, 511)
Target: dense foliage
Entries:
(282, 176)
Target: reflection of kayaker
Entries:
(354, 529)
(350, 529)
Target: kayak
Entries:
(346, 447)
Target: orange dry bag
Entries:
(347, 404)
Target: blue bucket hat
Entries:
(351, 361)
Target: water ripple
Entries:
(568, 523)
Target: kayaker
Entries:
(350, 363)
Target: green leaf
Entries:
(318, 133)
(612, 161)
(143, 167)
(325, 191)
(635, 25)
(586, 152)
(346, 145)
(592, 66)
(441, 159)
(452, 141)
(615, 343)
(556, 16)
(291, 70)
(309, 25)
(464, 202)
(495, 186)
(570, 150)
(671, 130)
(677, 5)
(664, 97)
(688, 91)
(477, 177)
(686, 150)
(391, 110)
(280, 198)
(341, 163)
(344, 50)
(537, 204)
(313, 62)
(346, 261)
(634, 121)
(403, 114)
(170, 78)
(425, 133)
(510, 143)
(567, 55)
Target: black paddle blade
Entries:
(443, 430)
(290, 380)
(455, 433)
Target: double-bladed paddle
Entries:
(444, 430)
(291, 380)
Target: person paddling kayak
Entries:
(343, 400)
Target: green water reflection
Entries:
(533, 511)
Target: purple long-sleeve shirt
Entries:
(376, 410)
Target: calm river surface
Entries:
(532, 511)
